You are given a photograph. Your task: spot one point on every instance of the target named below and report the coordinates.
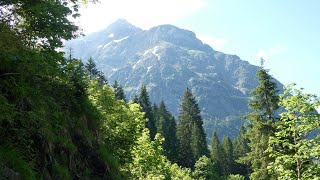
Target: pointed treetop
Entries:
(262, 61)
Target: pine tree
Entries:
(166, 126)
(91, 69)
(118, 91)
(190, 133)
(198, 142)
(264, 103)
(101, 78)
(135, 99)
(241, 148)
(145, 104)
(155, 112)
(228, 156)
(217, 153)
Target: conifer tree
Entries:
(155, 115)
(240, 149)
(263, 104)
(145, 104)
(198, 142)
(91, 69)
(217, 153)
(228, 156)
(118, 91)
(240, 145)
(135, 99)
(190, 133)
(166, 126)
(101, 78)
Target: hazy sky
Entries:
(286, 33)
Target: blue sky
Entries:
(285, 33)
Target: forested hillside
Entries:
(60, 118)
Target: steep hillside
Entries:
(167, 60)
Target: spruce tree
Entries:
(217, 153)
(198, 142)
(155, 115)
(91, 69)
(145, 104)
(228, 156)
(240, 149)
(166, 126)
(101, 78)
(263, 104)
(118, 91)
(135, 99)
(190, 133)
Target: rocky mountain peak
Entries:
(177, 36)
(121, 28)
(167, 60)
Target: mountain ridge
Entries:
(167, 60)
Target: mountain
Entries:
(167, 60)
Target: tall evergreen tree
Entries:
(118, 91)
(166, 126)
(145, 104)
(240, 149)
(101, 78)
(198, 142)
(264, 103)
(217, 153)
(155, 113)
(228, 164)
(91, 69)
(135, 99)
(190, 133)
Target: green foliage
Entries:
(118, 91)
(240, 149)
(295, 144)
(150, 163)
(91, 69)
(178, 173)
(14, 159)
(145, 104)
(190, 133)
(217, 155)
(43, 96)
(228, 160)
(41, 23)
(241, 144)
(60, 171)
(265, 98)
(122, 123)
(264, 103)
(204, 169)
(166, 126)
(113, 162)
(235, 177)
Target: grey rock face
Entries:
(167, 60)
